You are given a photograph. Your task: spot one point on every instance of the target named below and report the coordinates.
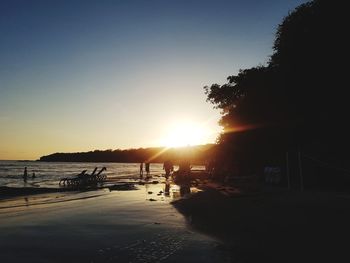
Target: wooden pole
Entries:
(301, 172)
(287, 170)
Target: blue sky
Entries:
(85, 75)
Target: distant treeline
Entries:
(196, 154)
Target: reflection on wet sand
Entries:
(176, 191)
(115, 226)
(17, 204)
(167, 188)
(133, 229)
(160, 190)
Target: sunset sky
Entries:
(84, 75)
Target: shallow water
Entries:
(48, 174)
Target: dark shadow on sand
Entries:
(275, 226)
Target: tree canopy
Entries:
(298, 99)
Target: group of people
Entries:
(168, 167)
(25, 175)
(146, 168)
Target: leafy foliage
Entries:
(298, 99)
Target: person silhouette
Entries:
(185, 167)
(168, 167)
(25, 174)
(147, 168)
(141, 170)
(185, 189)
(33, 176)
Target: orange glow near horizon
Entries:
(186, 133)
(157, 154)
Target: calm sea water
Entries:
(49, 174)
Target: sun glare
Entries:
(186, 134)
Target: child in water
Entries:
(25, 174)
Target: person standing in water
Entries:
(147, 168)
(168, 167)
(25, 174)
(141, 170)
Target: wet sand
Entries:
(273, 225)
(8, 192)
(102, 226)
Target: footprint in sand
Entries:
(157, 249)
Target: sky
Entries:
(83, 75)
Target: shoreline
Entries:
(278, 226)
(102, 226)
(12, 192)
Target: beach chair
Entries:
(83, 179)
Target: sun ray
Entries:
(157, 154)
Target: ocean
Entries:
(48, 174)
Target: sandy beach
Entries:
(126, 219)
(102, 226)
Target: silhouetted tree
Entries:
(299, 99)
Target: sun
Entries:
(185, 134)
